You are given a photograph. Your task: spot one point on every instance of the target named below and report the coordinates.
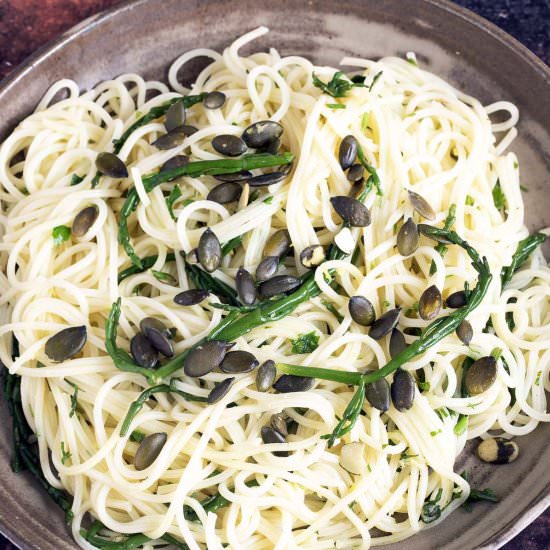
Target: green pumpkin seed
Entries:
(214, 100)
(262, 133)
(228, 145)
(244, 175)
(289, 383)
(170, 140)
(421, 205)
(238, 362)
(456, 300)
(267, 268)
(402, 390)
(143, 352)
(278, 423)
(278, 244)
(246, 289)
(353, 212)
(209, 251)
(205, 358)
(175, 162)
(361, 311)
(481, 375)
(355, 173)
(219, 391)
(397, 343)
(149, 450)
(66, 343)
(151, 323)
(312, 256)
(465, 332)
(225, 192)
(110, 165)
(269, 435)
(265, 376)
(347, 152)
(384, 324)
(159, 339)
(175, 116)
(191, 297)
(84, 220)
(378, 394)
(407, 238)
(429, 304)
(497, 450)
(280, 284)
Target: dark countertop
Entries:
(25, 25)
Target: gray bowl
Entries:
(146, 35)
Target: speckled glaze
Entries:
(146, 35)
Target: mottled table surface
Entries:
(25, 25)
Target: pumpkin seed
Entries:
(244, 175)
(238, 362)
(84, 220)
(175, 162)
(289, 383)
(191, 297)
(378, 394)
(278, 244)
(456, 299)
(361, 311)
(170, 140)
(66, 343)
(151, 323)
(312, 256)
(385, 323)
(265, 375)
(278, 422)
(228, 145)
(209, 251)
(159, 339)
(351, 211)
(205, 358)
(262, 133)
(481, 375)
(110, 165)
(219, 391)
(271, 148)
(465, 332)
(402, 390)
(357, 188)
(407, 238)
(271, 178)
(498, 450)
(149, 450)
(143, 352)
(278, 285)
(214, 100)
(429, 304)
(269, 435)
(421, 205)
(225, 192)
(347, 152)
(352, 458)
(246, 288)
(355, 173)
(267, 268)
(397, 343)
(175, 116)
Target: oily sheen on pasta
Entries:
(420, 134)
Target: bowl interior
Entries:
(145, 37)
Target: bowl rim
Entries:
(31, 62)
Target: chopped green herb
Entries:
(442, 412)
(268, 200)
(65, 455)
(174, 195)
(524, 188)
(469, 200)
(461, 424)
(231, 244)
(336, 106)
(364, 121)
(358, 79)
(369, 468)
(338, 86)
(387, 303)
(76, 179)
(187, 202)
(424, 386)
(499, 198)
(253, 196)
(435, 432)
(405, 455)
(375, 80)
(60, 234)
(163, 277)
(496, 353)
(305, 343)
(74, 398)
(411, 58)
(431, 509)
(137, 436)
(537, 379)
(440, 247)
(516, 165)
(333, 310)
